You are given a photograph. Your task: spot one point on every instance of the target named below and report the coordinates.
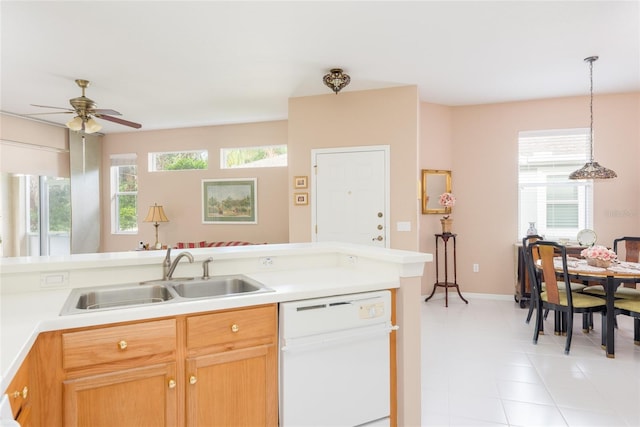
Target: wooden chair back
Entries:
(631, 248)
(547, 251)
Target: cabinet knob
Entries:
(172, 383)
(24, 393)
(122, 345)
(193, 379)
(235, 328)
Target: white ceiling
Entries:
(169, 64)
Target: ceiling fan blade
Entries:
(43, 114)
(48, 106)
(106, 111)
(120, 121)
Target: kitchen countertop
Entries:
(26, 314)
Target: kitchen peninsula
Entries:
(35, 289)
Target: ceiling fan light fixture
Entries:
(91, 126)
(336, 79)
(75, 123)
(592, 169)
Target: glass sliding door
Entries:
(48, 215)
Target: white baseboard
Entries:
(471, 295)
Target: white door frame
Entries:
(387, 184)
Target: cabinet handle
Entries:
(193, 379)
(235, 328)
(122, 344)
(24, 393)
(172, 383)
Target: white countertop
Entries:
(24, 315)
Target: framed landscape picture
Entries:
(229, 201)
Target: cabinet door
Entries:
(145, 396)
(19, 393)
(234, 388)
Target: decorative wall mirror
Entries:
(434, 183)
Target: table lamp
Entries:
(156, 214)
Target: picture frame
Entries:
(300, 199)
(229, 201)
(434, 183)
(300, 181)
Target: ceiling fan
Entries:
(85, 110)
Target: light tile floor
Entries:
(481, 368)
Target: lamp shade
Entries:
(91, 126)
(156, 214)
(75, 123)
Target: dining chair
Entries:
(630, 307)
(558, 295)
(575, 286)
(630, 253)
(532, 301)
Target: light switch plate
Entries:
(403, 226)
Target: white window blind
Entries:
(559, 206)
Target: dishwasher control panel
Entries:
(372, 310)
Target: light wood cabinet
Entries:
(231, 368)
(112, 377)
(145, 396)
(19, 392)
(218, 368)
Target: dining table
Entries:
(610, 277)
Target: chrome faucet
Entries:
(169, 267)
(205, 267)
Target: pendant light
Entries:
(336, 79)
(592, 169)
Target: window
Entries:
(124, 193)
(48, 215)
(254, 157)
(560, 207)
(178, 160)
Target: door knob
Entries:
(379, 238)
(379, 214)
(379, 226)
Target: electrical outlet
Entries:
(58, 279)
(476, 268)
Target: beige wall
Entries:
(33, 148)
(435, 153)
(351, 119)
(180, 191)
(483, 158)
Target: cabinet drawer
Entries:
(111, 344)
(230, 326)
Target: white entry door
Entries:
(351, 195)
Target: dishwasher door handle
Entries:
(333, 338)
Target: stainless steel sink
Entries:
(219, 286)
(110, 297)
(86, 300)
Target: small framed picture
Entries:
(300, 182)
(300, 199)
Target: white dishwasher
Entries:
(334, 360)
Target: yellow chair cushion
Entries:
(628, 304)
(580, 300)
(621, 292)
(576, 287)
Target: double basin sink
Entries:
(85, 300)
